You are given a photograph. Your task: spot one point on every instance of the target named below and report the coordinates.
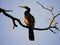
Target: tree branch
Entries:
(18, 20)
(53, 17)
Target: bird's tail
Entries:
(31, 34)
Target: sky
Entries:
(19, 35)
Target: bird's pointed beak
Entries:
(22, 6)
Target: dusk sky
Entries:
(19, 35)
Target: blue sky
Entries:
(19, 36)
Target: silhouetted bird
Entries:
(30, 22)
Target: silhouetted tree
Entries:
(50, 27)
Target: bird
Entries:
(30, 22)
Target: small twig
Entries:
(8, 10)
(52, 31)
(14, 24)
(43, 6)
(57, 14)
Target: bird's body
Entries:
(30, 22)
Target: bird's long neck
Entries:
(27, 11)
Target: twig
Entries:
(52, 31)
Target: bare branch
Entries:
(16, 19)
(5, 10)
(43, 6)
(53, 17)
(48, 10)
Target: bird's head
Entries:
(26, 7)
